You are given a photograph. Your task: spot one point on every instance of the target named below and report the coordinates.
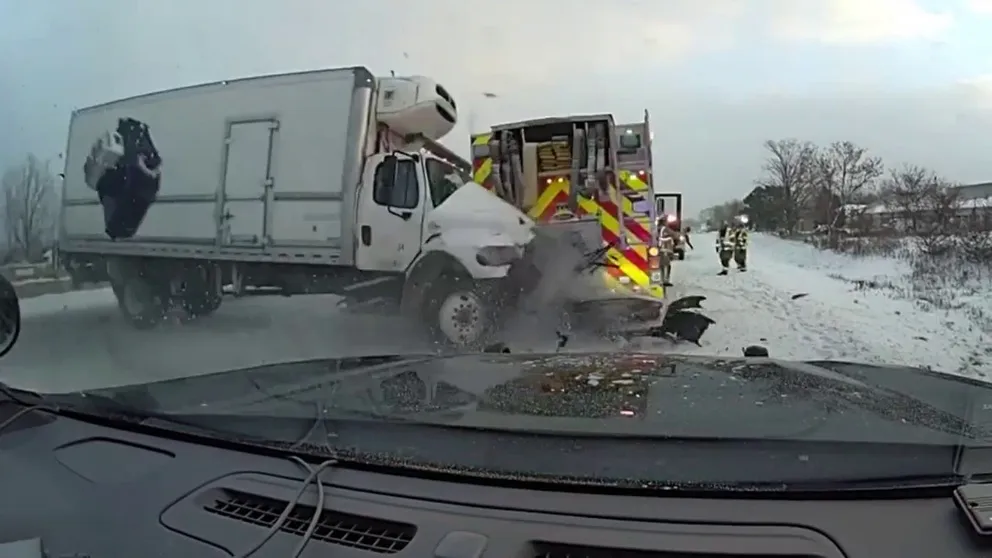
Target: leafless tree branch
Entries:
(29, 203)
(789, 167)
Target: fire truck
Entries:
(584, 174)
(636, 174)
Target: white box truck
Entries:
(317, 182)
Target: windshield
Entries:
(444, 179)
(224, 197)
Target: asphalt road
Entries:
(79, 340)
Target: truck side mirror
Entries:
(389, 167)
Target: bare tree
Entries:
(909, 191)
(789, 168)
(845, 172)
(29, 198)
(937, 223)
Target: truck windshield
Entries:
(444, 179)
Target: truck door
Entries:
(390, 213)
(247, 183)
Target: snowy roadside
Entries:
(945, 286)
(835, 317)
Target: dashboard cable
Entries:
(22, 412)
(27, 407)
(313, 477)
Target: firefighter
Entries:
(725, 247)
(685, 235)
(666, 251)
(740, 242)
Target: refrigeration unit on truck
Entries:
(668, 208)
(562, 172)
(327, 181)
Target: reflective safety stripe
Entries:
(633, 181)
(554, 198)
(629, 267)
(617, 279)
(481, 139)
(481, 169)
(630, 262)
(482, 166)
(637, 223)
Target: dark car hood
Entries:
(603, 394)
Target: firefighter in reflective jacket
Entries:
(740, 243)
(725, 247)
(666, 252)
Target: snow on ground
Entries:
(836, 320)
(48, 304)
(78, 340)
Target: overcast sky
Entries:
(910, 80)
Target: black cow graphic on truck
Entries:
(125, 169)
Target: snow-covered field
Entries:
(77, 340)
(855, 309)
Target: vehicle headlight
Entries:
(495, 256)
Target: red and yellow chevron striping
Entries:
(630, 267)
(482, 165)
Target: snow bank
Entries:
(847, 309)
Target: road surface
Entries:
(78, 340)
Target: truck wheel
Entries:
(456, 313)
(204, 293)
(139, 303)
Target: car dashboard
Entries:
(74, 488)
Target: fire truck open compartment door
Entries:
(668, 203)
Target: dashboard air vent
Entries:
(373, 535)
(554, 550)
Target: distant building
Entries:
(974, 210)
(975, 191)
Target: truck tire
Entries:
(139, 302)
(204, 292)
(456, 313)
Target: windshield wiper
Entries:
(144, 413)
(93, 405)
(21, 396)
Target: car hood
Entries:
(600, 393)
